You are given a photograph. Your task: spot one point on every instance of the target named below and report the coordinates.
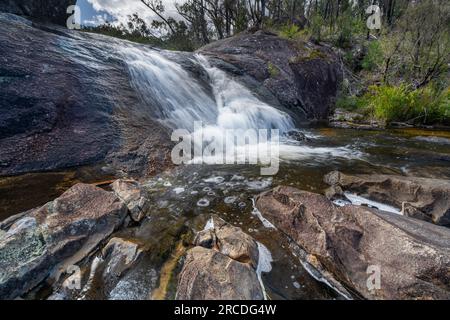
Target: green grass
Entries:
(289, 31)
(401, 104)
(273, 70)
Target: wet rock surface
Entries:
(61, 106)
(304, 78)
(46, 10)
(413, 256)
(222, 265)
(46, 241)
(422, 198)
(134, 196)
(351, 120)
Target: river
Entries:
(184, 198)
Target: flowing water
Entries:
(192, 193)
(186, 197)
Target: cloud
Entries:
(120, 9)
(96, 20)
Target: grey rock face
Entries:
(61, 105)
(46, 10)
(304, 77)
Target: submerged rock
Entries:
(353, 242)
(422, 198)
(296, 135)
(134, 196)
(48, 240)
(222, 266)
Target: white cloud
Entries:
(120, 9)
(96, 20)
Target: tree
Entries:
(158, 8)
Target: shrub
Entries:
(289, 31)
(350, 103)
(316, 24)
(347, 26)
(399, 103)
(373, 57)
(273, 70)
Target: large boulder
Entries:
(353, 243)
(61, 105)
(45, 10)
(423, 198)
(210, 275)
(302, 76)
(222, 266)
(47, 241)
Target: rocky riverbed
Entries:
(127, 244)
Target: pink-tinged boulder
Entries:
(350, 242)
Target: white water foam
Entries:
(263, 220)
(209, 224)
(433, 139)
(358, 200)
(264, 265)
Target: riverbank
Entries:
(345, 119)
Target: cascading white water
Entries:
(238, 108)
(180, 100)
(176, 98)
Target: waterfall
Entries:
(174, 96)
(179, 99)
(238, 108)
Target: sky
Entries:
(95, 12)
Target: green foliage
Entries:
(273, 70)
(347, 27)
(316, 24)
(398, 103)
(374, 56)
(289, 31)
(350, 103)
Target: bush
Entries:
(273, 70)
(289, 31)
(347, 26)
(316, 24)
(350, 103)
(424, 106)
(373, 57)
